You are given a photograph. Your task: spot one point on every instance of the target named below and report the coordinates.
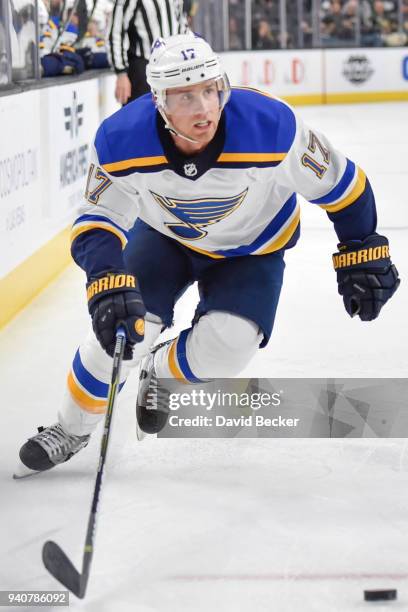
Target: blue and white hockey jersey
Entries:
(237, 197)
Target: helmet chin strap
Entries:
(173, 130)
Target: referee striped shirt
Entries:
(137, 23)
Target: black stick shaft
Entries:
(54, 558)
(63, 25)
(113, 390)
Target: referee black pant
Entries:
(137, 76)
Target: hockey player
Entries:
(198, 183)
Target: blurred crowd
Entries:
(379, 23)
(74, 33)
(266, 30)
(368, 23)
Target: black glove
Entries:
(365, 275)
(114, 299)
(73, 63)
(87, 56)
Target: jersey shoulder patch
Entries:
(260, 130)
(128, 142)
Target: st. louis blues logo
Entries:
(193, 215)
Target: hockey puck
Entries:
(380, 595)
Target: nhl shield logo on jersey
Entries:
(193, 215)
(190, 169)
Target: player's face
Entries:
(194, 110)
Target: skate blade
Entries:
(22, 471)
(140, 435)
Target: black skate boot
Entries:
(50, 447)
(152, 406)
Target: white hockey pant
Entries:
(219, 345)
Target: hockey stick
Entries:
(84, 18)
(63, 26)
(54, 558)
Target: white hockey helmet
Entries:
(180, 61)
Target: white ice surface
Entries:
(227, 525)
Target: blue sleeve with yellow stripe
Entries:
(354, 216)
(97, 251)
(97, 244)
(327, 178)
(97, 241)
(357, 220)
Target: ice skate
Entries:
(48, 448)
(152, 408)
